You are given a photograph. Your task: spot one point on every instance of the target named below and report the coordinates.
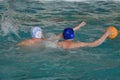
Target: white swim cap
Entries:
(36, 32)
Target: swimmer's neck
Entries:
(70, 40)
(36, 38)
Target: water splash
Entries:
(51, 41)
(8, 24)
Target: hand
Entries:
(82, 24)
(79, 26)
(108, 32)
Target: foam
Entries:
(8, 26)
(51, 41)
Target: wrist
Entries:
(107, 33)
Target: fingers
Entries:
(83, 23)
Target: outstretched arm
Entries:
(97, 42)
(79, 26)
(75, 29)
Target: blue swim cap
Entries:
(36, 32)
(68, 33)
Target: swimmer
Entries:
(37, 36)
(68, 42)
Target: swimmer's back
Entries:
(30, 42)
(69, 44)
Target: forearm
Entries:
(99, 41)
(79, 26)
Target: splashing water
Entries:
(8, 24)
(46, 61)
(7, 27)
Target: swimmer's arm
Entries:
(30, 42)
(25, 43)
(75, 29)
(95, 43)
(22, 43)
(79, 26)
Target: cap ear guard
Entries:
(36, 32)
(68, 33)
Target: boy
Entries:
(68, 43)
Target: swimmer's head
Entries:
(68, 33)
(36, 32)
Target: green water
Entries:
(18, 16)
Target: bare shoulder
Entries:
(25, 42)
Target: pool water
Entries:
(52, 63)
